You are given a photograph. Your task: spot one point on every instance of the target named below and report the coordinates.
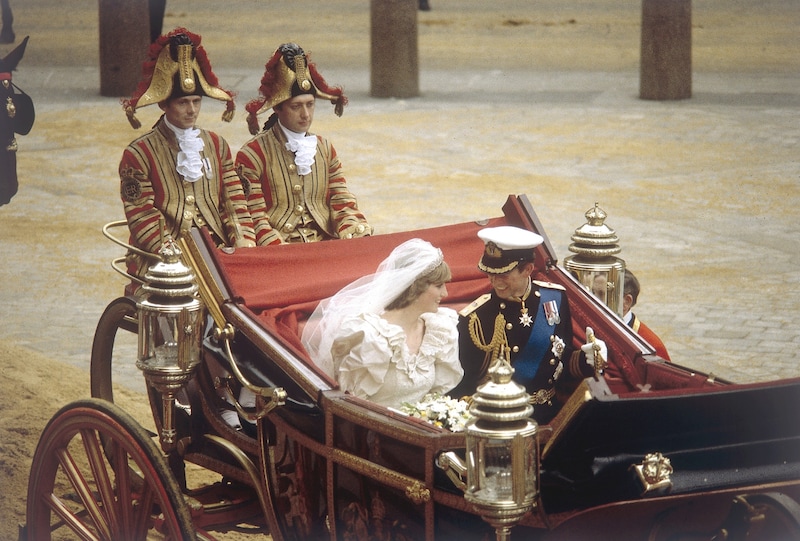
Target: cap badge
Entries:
(493, 250)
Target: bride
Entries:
(384, 337)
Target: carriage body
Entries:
(327, 465)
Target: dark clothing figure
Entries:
(16, 117)
(7, 32)
(525, 322)
(544, 361)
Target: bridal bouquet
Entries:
(442, 411)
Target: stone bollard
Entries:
(666, 50)
(394, 55)
(124, 40)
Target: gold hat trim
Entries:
(287, 78)
(161, 83)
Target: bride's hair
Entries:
(439, 275)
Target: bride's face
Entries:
(429, 300)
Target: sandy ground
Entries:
(517, 97)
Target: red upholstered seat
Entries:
(282, 285)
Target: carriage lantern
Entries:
(170, 326)
(502, 451)
(594, 264)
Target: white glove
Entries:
(596, 351)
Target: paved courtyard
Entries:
(515, 98)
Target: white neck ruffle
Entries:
(189, 162)
(304, 148)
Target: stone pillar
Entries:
(666, 53)
(394, 56)
(124, 40)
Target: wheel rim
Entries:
(97, 474)
(114, 347)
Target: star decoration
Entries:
(525, 319)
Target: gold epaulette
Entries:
(550, 285)
(474, 305)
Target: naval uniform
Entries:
(537, 337)
(289, 207)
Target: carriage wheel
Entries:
(78, 490)
(114, 348)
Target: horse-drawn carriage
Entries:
(650, 450)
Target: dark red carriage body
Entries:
(341, 468)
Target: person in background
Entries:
(385, 336)
(7, 32)
(177, 175)
(298, 192)
(630, 296)
(525, 321)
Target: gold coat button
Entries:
(288, 228)
(552, 362)
(299, 209)
(292, 167)
(199, 220)
(502, 306)
(187, 215)
(509, 326)
(190, 199)
(297, 188)
(515, 349)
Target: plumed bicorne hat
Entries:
(176, 65)
(287, 74)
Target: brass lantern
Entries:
(502, 451)
(170, 331)
(594, 264)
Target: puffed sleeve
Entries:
(361, 356)
(442, 328)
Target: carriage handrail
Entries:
(274, 396)
(115, 240)
(119, 263)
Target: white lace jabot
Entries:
(189, 162)
(304, 148)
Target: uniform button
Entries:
(538, 294)
(502, 306)
(299, 209)
(515, 349)
(288, 227)
(552, 362)
(360, 228)
(509, 326)
(297, 188)
(550, 381)
(200, 221)
(292, 167)
(187, 215)
(190, 199)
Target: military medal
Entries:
(551, 312)
(525, 319)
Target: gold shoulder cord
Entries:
(499, 342)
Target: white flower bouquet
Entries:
(442, 411)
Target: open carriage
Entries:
(651, 450)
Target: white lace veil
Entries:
(372, 293)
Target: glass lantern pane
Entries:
(491, 465)
(166, 339)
